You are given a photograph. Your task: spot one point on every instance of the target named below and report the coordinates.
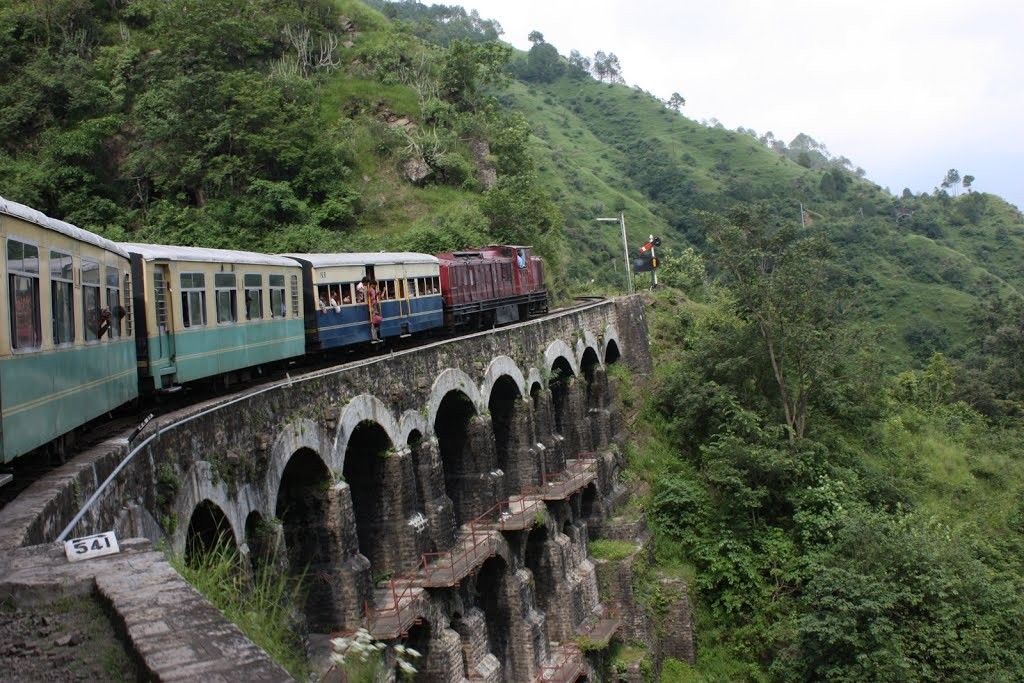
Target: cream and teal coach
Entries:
(209, 312)
(67, 354)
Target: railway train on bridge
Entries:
(90, 324)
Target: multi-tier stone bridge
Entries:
(440, 496)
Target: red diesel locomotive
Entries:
(494, 285)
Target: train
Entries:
(94, 324)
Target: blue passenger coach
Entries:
(66, 350)
(337, 310)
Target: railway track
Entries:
(22, 472)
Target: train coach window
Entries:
(253, 296)
(295, 296)
(23, 290)
(91, 306)
(225, 286)
(62, 303)
(127, 304)
(388, 290)
(277, 305)
(114, 302)
(193, 299)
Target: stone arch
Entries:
(303, 506)
(362, 408)
(587, 342)
(534, 376)
(450, 380)
(208, 529)
(610, 344)
(198, 486)
(502, 366)
(510, 418)
(466, 453)
(301, 434)
(559, 349)
(412, 421)
(372, 485)
(262, 539)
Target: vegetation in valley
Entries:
(831, 442)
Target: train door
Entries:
(163, 349)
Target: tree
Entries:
(543, 64)
(600, 65)
(780, 278)
(467, 67)
(580, 65)
(968, 181)
(676, 101)
(952, 179)
(535, 37)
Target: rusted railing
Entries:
(566, 671)
(459, 561)
(514, 514)
(395, 619)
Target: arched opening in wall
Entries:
(589, 501)
(209, 535)
(539, 564)
(536, 392)
(452, 429)
(611, 352)
(421, 468)
(368, 447)
(561, 375)
(489, 595)
(302, 508)
(419, 640)
(504, 395)
(588, 366)
(262, 540)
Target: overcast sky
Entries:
(906, 89)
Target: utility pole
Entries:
(621, 220)
(654, 271)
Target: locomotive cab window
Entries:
(114, 303)
(226, 287)
(92, 312)
(253, 296)
(62, 297)
(277, 304)
(193, 299)
(23, 292)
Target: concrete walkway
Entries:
(176, 633)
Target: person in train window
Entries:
(521, 257)
(334, 301)
(361, 289)
(373, 301)
(104, 320)
(322, 303)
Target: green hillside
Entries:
(829, 447)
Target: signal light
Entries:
(657, 241)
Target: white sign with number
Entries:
(88, 547)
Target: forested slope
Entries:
(830, 446)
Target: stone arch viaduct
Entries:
(440, 496)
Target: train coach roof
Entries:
(364, 259)
(169, 252)
(30, 215)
